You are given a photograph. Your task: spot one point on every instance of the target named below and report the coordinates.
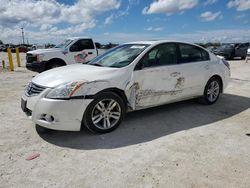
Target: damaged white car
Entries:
(130, 77)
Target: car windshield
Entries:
(64, 44)
(120, 56)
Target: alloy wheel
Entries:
(106, 113)
(213, 91)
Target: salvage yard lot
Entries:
(184, 144)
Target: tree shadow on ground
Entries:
(147, 125)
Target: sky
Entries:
(119, 21)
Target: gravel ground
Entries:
(178, 145)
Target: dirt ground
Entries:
(184, 144)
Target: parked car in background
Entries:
(36, 47)
(6, 46)
(129, 77)
(241, 50)
(72, 50)
(230, 51)
(23, 49)
(2, 46)
(211, 48)
(226, 51)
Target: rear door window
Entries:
(190, 53)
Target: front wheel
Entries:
(40, 129)
(104, 113)
(212, 91)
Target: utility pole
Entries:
(22, 35)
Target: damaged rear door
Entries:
(195, 67)
(157, 78)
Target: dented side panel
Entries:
(155, 86)
(195, 76)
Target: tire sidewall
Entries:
(87, 118)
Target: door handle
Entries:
(90, 53)
(175, 74)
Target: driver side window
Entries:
(161, 55)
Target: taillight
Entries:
(226, 63)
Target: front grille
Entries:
(33, 89)
(30, 58)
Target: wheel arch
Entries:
(220, 79)
(118, 92)
(59, 60)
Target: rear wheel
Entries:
(212, 91)
(105, 113)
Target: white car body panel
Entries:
(143, 88)
(63, 119)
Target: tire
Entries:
(42, 130)
(54, 64)
(228, 57)
(105, 113)
(210, 96)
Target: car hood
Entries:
(76, 72)
(42, 51)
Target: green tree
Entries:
(1, 42)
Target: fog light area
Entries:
(48, 118)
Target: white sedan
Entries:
(130, 77)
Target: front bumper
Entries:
(67, 114)
(36, 66)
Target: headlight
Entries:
(65, 91)
(40, 57)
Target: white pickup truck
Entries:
(71, 50)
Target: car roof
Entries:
(75, 38)
(155, 42)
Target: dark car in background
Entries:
(241, 50)
(22, 48)
(2, 46)
(230, 51)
